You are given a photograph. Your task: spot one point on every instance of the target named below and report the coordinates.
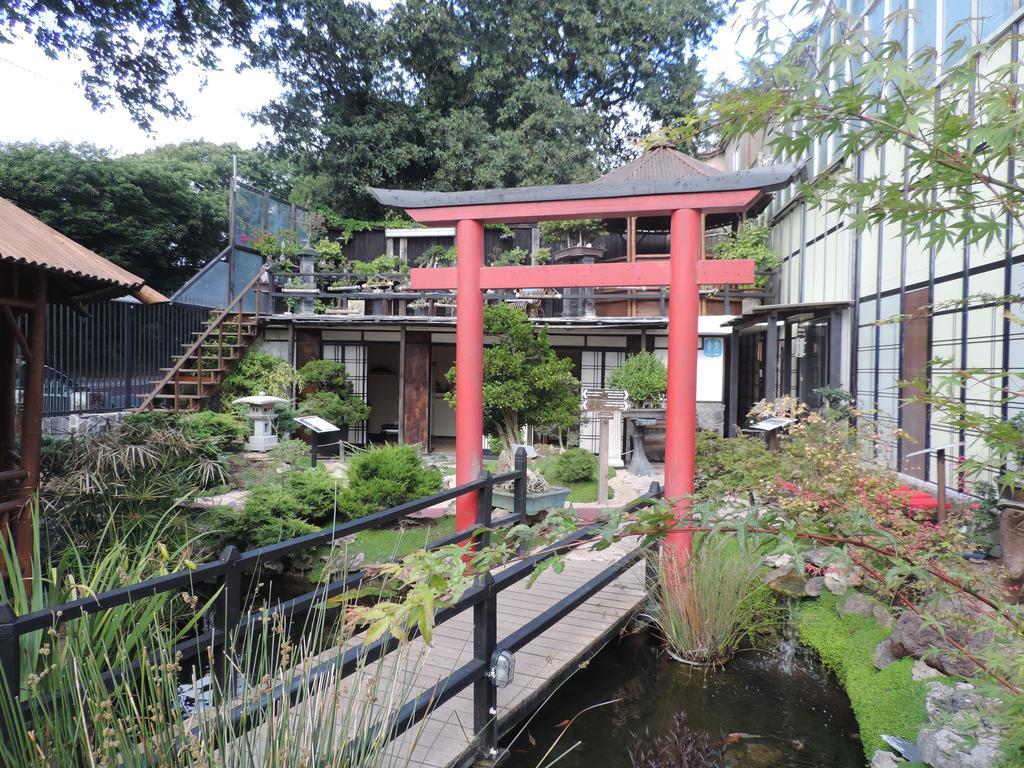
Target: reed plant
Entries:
(708, 606)
(108, 688)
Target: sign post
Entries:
(316, 427)
(603, 405)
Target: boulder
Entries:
(911, 636)
(814, 586)
(921, 671)
(945, 748)
(857, 604)
(963, 732)
(882, 655)
(883, 759)
(786, 582)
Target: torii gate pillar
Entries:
(469, 366)
(685, 247)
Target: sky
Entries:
(53, 108)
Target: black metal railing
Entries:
(229, 621)
(107, 359)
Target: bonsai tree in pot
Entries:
(332, 397)
(525, 382)
(645, 379)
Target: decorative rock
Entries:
(779, 561)
(814, 586)
(921, 671)
(911, 636)
(882, 616)
(786, 582)
(819, 556)
(882, 655)
(945, 748)
(857, 604)
(883, 759)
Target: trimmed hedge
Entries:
(575, 465)
(887, 701)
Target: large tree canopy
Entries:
(471, 93)
(161, 214)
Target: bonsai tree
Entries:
(525, 382)
(333, 398)
(569, 232)
(645, 379)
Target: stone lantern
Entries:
(261, 414)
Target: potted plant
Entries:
(298, 285)
(417, 307)
(645, 379)
(340, 286)
(540, 495)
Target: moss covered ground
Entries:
(887, 701)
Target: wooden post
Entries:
(602, 462)
(940, 482)
(31, 425)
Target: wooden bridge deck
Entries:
(443, 738)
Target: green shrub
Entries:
(574, 466)
(258, 372)
(149, 420)
(316, 491)
(383, 477)
(884, 701)
(225, 429)
(334, 399)
(272, 513)
(295, 453)
(725, 465)
(644, 377)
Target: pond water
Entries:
(789, 713)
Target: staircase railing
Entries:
(234, 307)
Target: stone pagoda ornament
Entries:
(262, 414)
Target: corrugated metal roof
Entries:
(661, 161)
(24, 239)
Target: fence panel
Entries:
(107, 360)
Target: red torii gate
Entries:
(686, 201)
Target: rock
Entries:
(945, 748)
(882, 616)
(883, 759)
(779, 561)
(857, 604)
(836, 583)
(921, 671)
(882, 655)
(945, 702)
(786, 582)
(912, 637)
(819, 556)
(814, 586)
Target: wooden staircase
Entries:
(194, 379)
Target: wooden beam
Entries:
(10, 301)
(18, 335)
(615, 275)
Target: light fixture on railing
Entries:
(503, 669)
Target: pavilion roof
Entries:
(82, 274)
(660, 161)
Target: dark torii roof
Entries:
(766, 179)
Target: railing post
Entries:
(227, 614)
(485, 636)
(519, 496)
(10, 669)
(653, 559)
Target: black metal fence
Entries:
(229, 622)
(108, 359)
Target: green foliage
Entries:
(836, 402)
(223, 429)
(887, 701)
(644, 377)
(575, 465)
(568, 232)
(730, 465)
(509, 258)
(525, 382)
(580, 491)
(258, 372)
(437, 256)
(161, 214)
(273, 512)
(334, 399)
(383, 477)
(293, 453)
(750, 241)
(382, 544)
(707, 607)
(470, 94)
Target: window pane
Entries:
(925, 21)
(956, 34)
(993, 13)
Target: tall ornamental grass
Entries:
(707, 607)
(82, 712)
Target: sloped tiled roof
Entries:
(661, 161)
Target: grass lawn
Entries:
(388, 543)
(584, 492)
